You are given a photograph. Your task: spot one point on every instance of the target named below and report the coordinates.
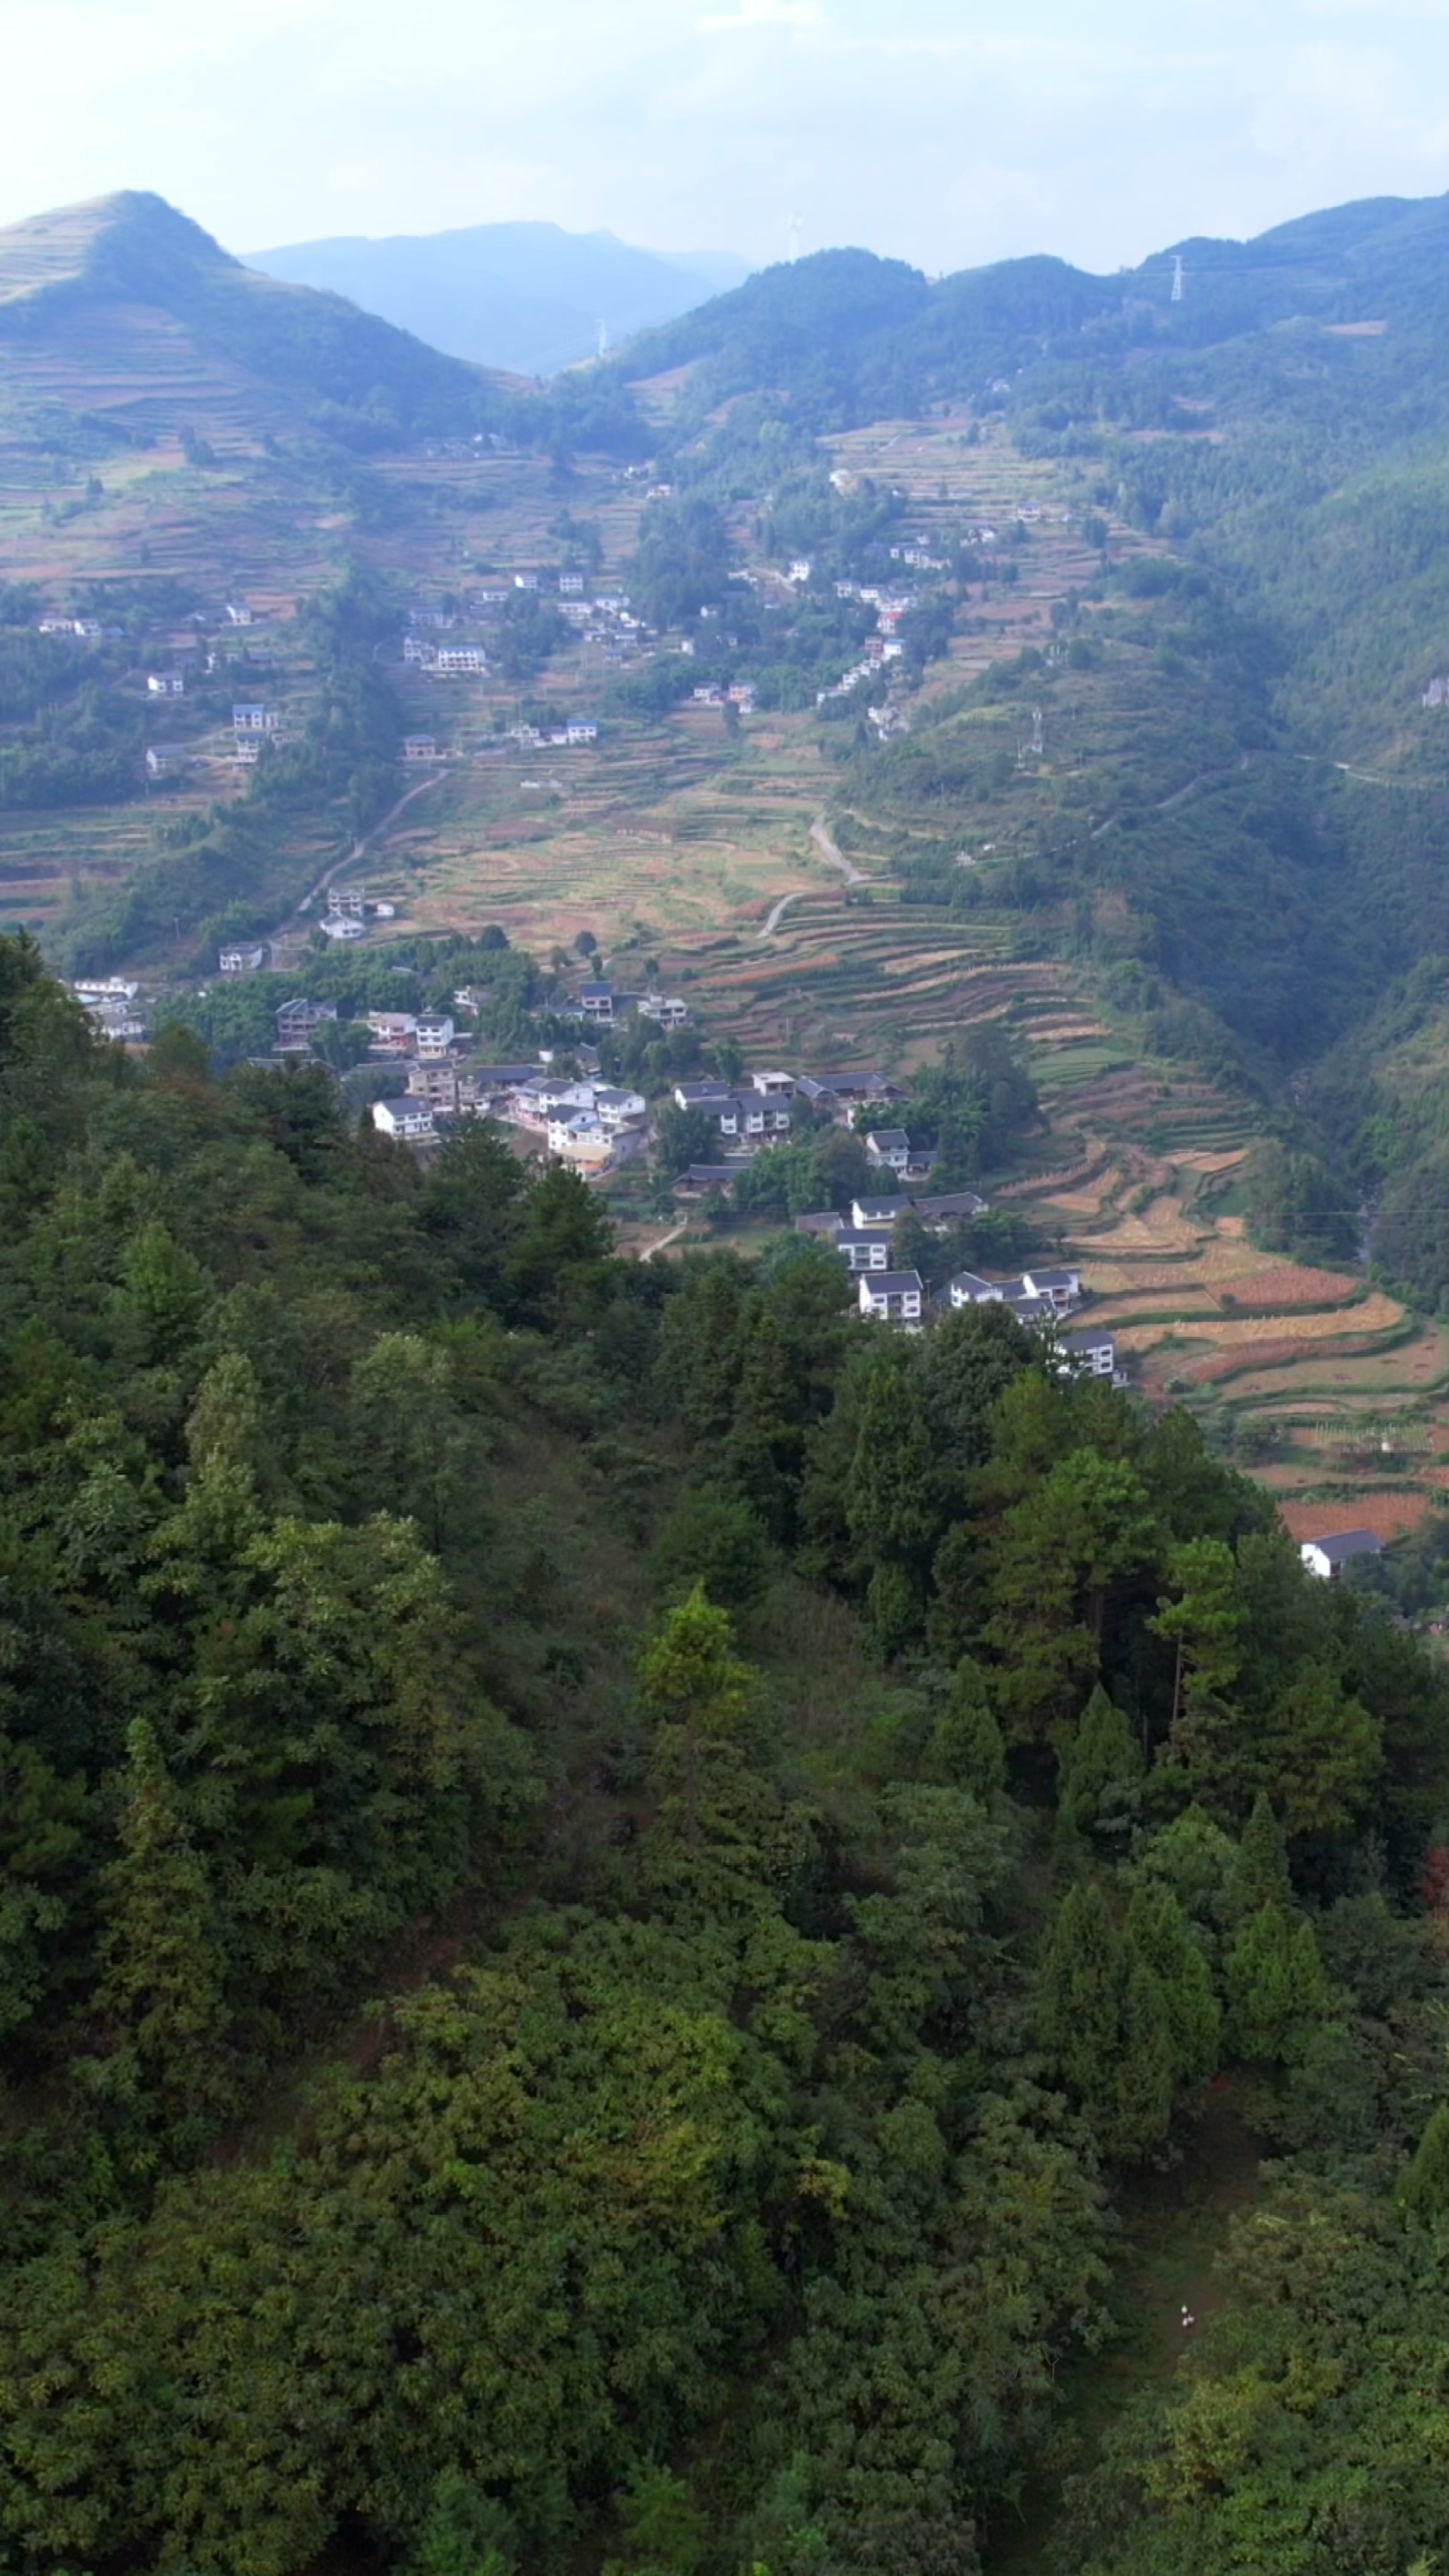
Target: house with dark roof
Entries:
(874, 1211)
(860, 1249)
(889, 1148)
(1328, 1556)
(892, 1297)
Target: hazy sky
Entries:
(947, 131)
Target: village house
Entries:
(827, 1223)
(570, 585)
(252, 718)
(701, 1178)
(435, 1082)
(454, 661)
(619, 1109)
(702, 1095)
(1092, 1353)
(948, 1208)
(434, 1033)
(1062, 1288)
(892, 1297)
(296, 1022)
(889, 1148)
(166, 684)
(775, 1086)
(581, 729)
(666, 1010)
(238, 613)
(350, 901)
(407, 1120)
(392, 1032)
(966, 1289)
(596, 1002)
(751, 1121)
(166, 759)
(342, 925)
(420, 746)
(580, 1139)
(867, 1212)
(243, 961)
(861, 1250)
(544, 1097)
(1327, 1556)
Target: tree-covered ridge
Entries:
(822, 1806)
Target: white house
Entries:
(420, 746)
(967, 1290)
(596, 1001)
(580, 1138)
(454, 660)
(1092, 1353)
(892, 1296)
(860, 1251)
(701, 1095)
(1328, 1556)
(581, 729)
(889, 1148)
(243, 961)
(166, 759)
(877, 1212)
(166, 684)
(775, 1086)
(408, 1120)
(619, 1109)
(252, 718)
(1062, 1287)
(666, 1010)
(434, 1033)
(340, 925)
(238, 612)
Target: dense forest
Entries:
(611, 1877)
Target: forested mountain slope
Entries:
(821, 1805)
(74, 284)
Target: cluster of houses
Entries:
(882, 649)
(714, 693)
(112, 1005)
(591, 1126)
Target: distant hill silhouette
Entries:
(525, 297)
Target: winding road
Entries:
(359, 848)
(834, 858)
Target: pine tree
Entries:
(160, 1991)
(1159, 1933)
(1424, 2189)
(1102, 1772)
(965, 1748)
(1260, 1873)
(1277, 1993)
(1139, 2079)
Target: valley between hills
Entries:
(672, 840)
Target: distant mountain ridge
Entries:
(526, 297)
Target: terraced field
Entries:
(1320, 1386)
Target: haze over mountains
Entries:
(528, 298)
